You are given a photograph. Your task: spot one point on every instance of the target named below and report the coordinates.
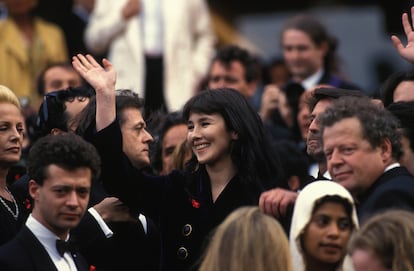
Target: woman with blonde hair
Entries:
(8, 96)
(250, 240)
(384, 242)
(324, 218)
(12, 213)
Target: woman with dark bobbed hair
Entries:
(232, 165)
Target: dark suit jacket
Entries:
(130, 248)
(335, 81)
(26, 253)
(394, 189)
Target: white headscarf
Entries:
(302, 214)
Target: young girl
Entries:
(323, 219)
(232, 165)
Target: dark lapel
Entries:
(40, 258)
(80, 262)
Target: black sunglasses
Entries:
(67, 95)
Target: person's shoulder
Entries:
(11, 251)
(395, 185)
(14, 261)
(7, 248)
(395, 176)
(22, 181)
(44, 25)
(339, 82)
(394, 194)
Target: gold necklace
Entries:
(15, 215)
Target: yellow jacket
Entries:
(18, 70)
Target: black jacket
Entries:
(393, 189)
(26, 253)
(180, 202)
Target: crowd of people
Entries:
(153, 149)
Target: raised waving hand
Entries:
(407, 51)
(102, 79)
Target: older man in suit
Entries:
(362, 148)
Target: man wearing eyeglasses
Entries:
(108, 230)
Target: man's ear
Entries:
(33, 189)
(386, 149)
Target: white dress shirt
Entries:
(48, 240)
(312, 80)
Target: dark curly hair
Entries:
(377, 123)
(226, 55)
(68, 151)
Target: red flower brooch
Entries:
(27, 204)
(195, 203)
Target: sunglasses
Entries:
(62, 96)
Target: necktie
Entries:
(64, 246)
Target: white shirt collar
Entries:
(48, 240)
(312, 80)
(393, 165)
(327, 175)
(45, 236)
